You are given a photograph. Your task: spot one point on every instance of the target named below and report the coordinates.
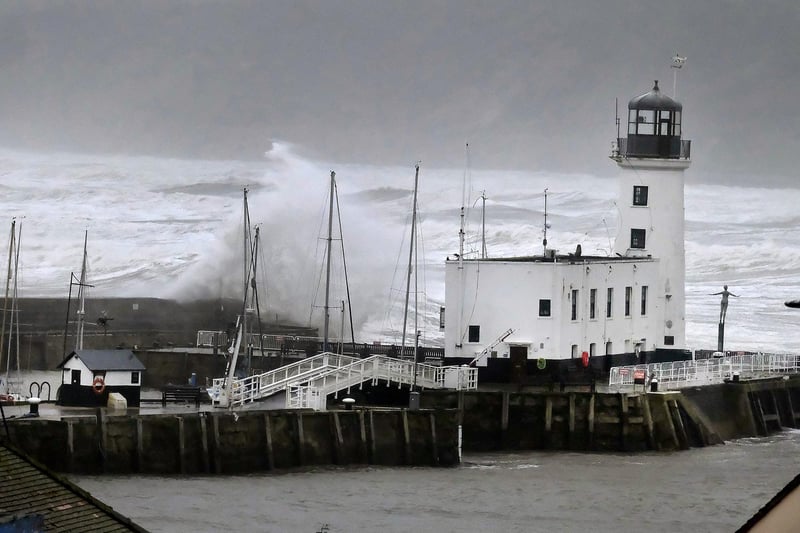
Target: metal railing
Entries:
(681, 374)
(375, 369)
(309, 381)
(259, 386)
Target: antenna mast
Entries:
(544, 240)
(483, 225)
(463, 210)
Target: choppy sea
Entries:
(715, 489)
(172, 228)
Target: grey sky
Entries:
(530, 84)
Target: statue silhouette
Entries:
(723, 305)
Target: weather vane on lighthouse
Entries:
(677, 64)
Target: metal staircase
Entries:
(309, 382)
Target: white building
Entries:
(89, 376)
(533, 317)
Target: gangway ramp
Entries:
(308, 382)
(313, 395)
(262, 385)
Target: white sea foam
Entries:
(172, 228)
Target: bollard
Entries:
(33, 403)
(654, 385)
(413, 401)
(348, 403)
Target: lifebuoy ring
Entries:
(541, 363)
(98, 385)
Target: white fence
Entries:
(681, 374)
(309, 381)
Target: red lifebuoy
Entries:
(98, 385)
(585, 357)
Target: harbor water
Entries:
(706, 489)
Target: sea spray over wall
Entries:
(172, 228)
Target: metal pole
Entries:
(328, 274)
(410, 257)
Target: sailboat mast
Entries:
(410, 258)
(8, 283)
(483, 225)
(14, 300)
(82, 297)
(328, 267)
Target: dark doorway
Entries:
(519, 364)
(76, 377)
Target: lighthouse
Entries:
(652, 160)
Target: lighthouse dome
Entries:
(655, 99)
(654, 128)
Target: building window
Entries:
(544, 307)
(637, 238)
(574, 304)
(134, 378)
(609, 302)
(574, 353)
(474, 334)
(669, 340)
(644, 300)
(441, 317)
(608, 348)
(628, 295)
(592, 303)
(640, 195)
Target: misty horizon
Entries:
(530, 86)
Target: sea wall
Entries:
(580, 421)
(236, 443)
(630, 422)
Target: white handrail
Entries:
(680, 374)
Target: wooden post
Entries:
(373, 445)
(623, 418)
(758, 414)
(139, 445)
(101, 423)
(571, 435)
(70, 446)
(338, 441)
(181, 446)
(301, 452)
(204, 438)
(434, 443)
(648, 421)
(548, 420)
(406, 438)
(461, 408)
(504, 420)
(268, 436)
(680, 429)
(670, 424)
(363, 430)
(217, 444)
(792, 415)
(590, 421)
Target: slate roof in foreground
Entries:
(30, 490)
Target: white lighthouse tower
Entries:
(652, 159)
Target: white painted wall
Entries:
(663, 220)
(112, 378)
(498, 295)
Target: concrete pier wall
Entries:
(584, 421)
(234, 443)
